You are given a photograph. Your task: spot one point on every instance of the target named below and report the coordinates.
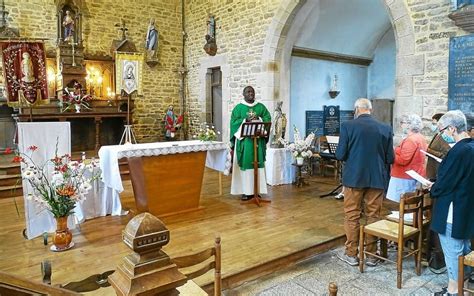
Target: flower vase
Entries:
(62, 239)
(299, 160)
(78, 108)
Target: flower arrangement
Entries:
(207, 133)
(76, 99)
(300, 148)
(67, 184)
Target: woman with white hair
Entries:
(453, 191)
(407, 157)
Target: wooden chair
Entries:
(327, 159)
(198, 259)
(398, 232)
(464, 260)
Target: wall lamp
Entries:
(333, 92)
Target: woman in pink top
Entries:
(407, 157)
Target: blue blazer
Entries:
(455, 183)
(366, 146)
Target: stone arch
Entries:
(281, 36)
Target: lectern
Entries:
(256, 131)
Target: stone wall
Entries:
(242, 26)
(37, 19)
(432, 29)
(422, 30)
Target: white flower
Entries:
(90, 167)
(85, 186)
(29, 174)
(73, 164)
(57, 178)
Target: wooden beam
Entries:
(329, 56)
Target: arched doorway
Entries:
(281, 39)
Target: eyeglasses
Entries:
(443, 129)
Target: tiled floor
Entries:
(312, 277)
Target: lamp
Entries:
(110, 95)
(94, 79)
(333, 92)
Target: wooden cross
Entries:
(121, 27)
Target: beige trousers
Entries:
(354, 199)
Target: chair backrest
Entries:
(199, 259)
(411, 202)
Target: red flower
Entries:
(17, 159)
(32, 148)
(8, 150)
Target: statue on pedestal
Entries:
(151, 44)
(68, 24)
(172, 123)
(279, 126)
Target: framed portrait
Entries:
(128, 70)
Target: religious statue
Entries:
(279, 126)
(151, 44)
(172, 123)
(211, 46)
(27, 68)
(68, 24)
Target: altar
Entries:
(166, 176)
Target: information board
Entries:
(461, 74)
(314, 122)
(331, 120)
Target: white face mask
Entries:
(434, 127)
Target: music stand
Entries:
(255, 131)
(332, 146)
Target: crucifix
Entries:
(121, 27)
(73, 52)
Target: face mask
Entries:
(434, 127)
(405, 131)
(447, 138)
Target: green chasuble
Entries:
(244, 148)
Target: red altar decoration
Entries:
(25, 75)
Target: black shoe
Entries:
(246, 197)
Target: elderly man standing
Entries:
(366, 146)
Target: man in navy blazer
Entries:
(452, 216)
(366, 147)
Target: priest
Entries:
(248, 110)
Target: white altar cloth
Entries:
(50, 138)
(278, 166)
(109, 156)
(44, 135)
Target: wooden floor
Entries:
(254, 240)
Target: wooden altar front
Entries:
(89, 130)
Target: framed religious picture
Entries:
(25, 73)
(128, 70)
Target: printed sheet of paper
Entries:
(432, 156)
(333, 139)
(418, 177)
